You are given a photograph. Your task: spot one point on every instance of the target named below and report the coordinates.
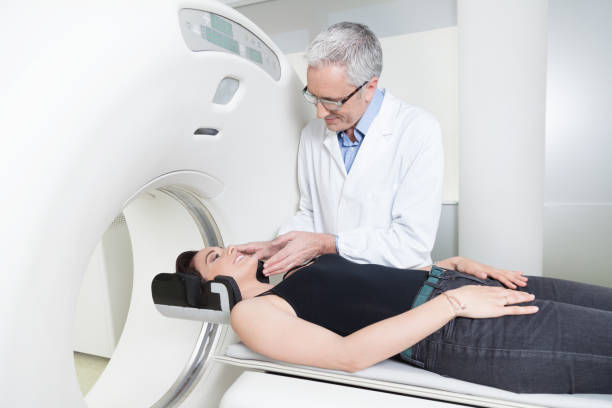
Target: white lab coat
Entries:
(386, 210)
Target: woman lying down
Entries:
(460, 319)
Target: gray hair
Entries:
(352, 45)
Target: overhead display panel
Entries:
(204, 31)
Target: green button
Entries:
(219, 24)
(222, 41)
(254, 55)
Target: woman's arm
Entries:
(260, 325)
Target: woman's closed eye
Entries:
(212, 257)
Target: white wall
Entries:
(502, 77)
(578, 188)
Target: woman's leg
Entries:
(574, 293)
(561, 349)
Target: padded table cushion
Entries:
(399, 377)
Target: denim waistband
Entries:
(422, 297)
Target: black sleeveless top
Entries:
(344, 296)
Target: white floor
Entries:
(88, 369)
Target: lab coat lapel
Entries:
(373, 144)
(331, 144)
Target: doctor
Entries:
(370, 167)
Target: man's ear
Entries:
(370, 89)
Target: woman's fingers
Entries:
(518, 278)
(504, 279)
(518, 282)
(520, 310)
(510, 279)
(514, 296)
(511, 298)
(507, 282)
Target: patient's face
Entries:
(214, 261)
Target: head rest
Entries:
(188, 290)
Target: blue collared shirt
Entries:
(348, 148)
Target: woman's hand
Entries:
(510, 279)
(479, 302)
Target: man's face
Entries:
(329, 82)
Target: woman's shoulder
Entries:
(262, 302)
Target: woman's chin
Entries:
(253, 262)
(245, 267)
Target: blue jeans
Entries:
(566, 347)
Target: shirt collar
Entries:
(361, 129)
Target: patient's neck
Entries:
(251, 288)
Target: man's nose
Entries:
(321, 111)
(230, 249)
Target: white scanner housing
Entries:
(184, 116)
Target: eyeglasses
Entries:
(327, 104)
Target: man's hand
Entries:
(509, 278)
(261, 250)
(297, 248)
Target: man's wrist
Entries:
(328, 244)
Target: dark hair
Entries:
(183, 264)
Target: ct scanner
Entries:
(183, 116)
(112, 107)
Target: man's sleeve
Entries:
(303, 220)
(408, 241)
